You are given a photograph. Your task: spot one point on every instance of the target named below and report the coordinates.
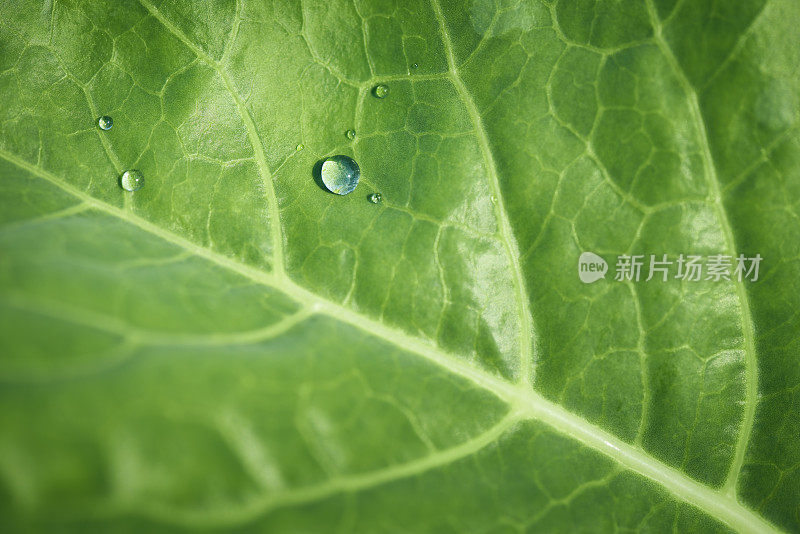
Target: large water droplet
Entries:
(380, 91)
(132, 180)
(375, 198)
(340, 174)
(350, 134)
(105, 122)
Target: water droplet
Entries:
(340, 174)
(375, 198)
(105, 122)
(494, 199)
(132, 180)
(414, 65)
(380, 91)
(300, 147)
(350, 134)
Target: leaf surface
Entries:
(231, 347)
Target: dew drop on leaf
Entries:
(300, 147)
(375, 198)
(414, 65)
(132, 180)
(350, 134)
(380, 91)
(340, 174)
(105, 122)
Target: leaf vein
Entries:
(527, 330)
(252, 134)
(724, 507)
(710, 172)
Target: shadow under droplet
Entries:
(316, 172)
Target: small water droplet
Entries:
(350, 134)
(375, 198)
(105, 122)
(414, 65)
(381, 90)
(494, 199)
(300, 147)
(340, 174)
(132, 180)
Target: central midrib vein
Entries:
(521, 398)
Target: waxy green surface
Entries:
(233, 348)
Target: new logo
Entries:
(591, 267)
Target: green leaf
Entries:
(233, 348)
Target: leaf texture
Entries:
(233, 348)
